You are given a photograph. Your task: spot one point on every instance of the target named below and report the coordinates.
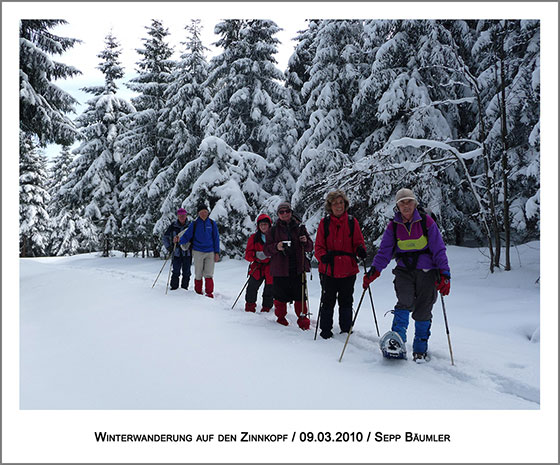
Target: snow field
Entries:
(95, 335)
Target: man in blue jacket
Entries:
(202, 234)
(182, 259)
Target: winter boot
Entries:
(198, 286)
(419, 357)
(326, 334)
(174, 284)
(303, 320)
(280, 311)
(185, 283)
(209, 284)
(250, 307)
(421, 336)
(265, 309)
(400, 322)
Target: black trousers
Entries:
(416, 292)
(333, 289)
(252, 291)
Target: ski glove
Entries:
(261, 255)
(444, 283)
(370, 277)
(328, 258)
(361, 252)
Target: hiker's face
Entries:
(338, 206)
(406, 207)
(203, 214)
(263, 226)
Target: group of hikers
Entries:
(277, 256)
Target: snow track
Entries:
(95, 334)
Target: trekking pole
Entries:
(170, 265)
(319, 314)
(447, 330)
(352, 327)
(162, 267)
(371, 300)
(246, 282)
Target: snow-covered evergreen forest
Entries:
(449, 108)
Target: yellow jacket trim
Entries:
(413, 244)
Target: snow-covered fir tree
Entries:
(297, 72)
(246, 84)
(93, 187)
(333, 81)
(43, 105)
(63, 240)
(33, 198)
(507, 55)
(284, 169)
(186, 99)
(228, 182)
(144, 144)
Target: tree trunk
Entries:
(490, 185)
(505, 170)
(22, 252)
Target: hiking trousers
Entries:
(416, 292)
(203, 264)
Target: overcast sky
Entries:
(129, 32)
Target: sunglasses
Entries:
(281, 212)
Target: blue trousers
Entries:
(181, 264)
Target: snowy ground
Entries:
(95, 335)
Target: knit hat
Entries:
(201, 207)
(262, 217)
(283, 206)
(405, 194)
(181, 211)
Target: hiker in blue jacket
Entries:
(203, 239)
(182, 259)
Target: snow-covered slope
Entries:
(94, 334)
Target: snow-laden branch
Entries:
(461, 157)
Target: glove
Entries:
(169, 249)
(361, 252)
(444, 283)
(370, 277)
(261, 255)
(328, 258)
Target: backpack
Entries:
(189, 244)
(410, 259)
(351, 225)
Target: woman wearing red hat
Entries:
(259, 270)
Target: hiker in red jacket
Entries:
(259, 269)
(339, 240)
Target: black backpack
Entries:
(410, 259)
(351, 225)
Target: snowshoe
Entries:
(420, 357)
(392, 345)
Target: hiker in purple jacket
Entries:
(415, 242)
